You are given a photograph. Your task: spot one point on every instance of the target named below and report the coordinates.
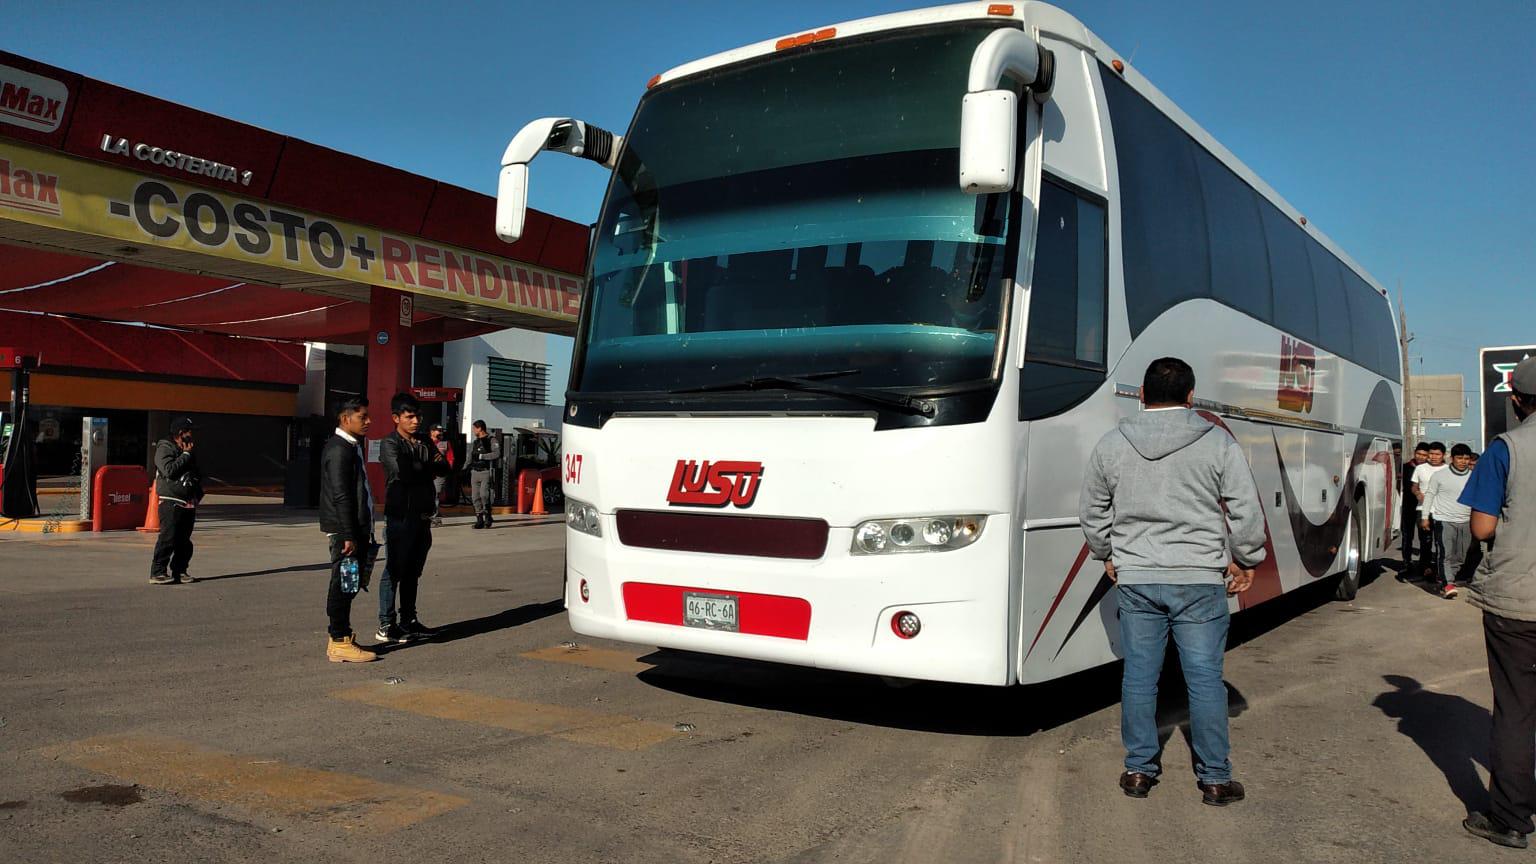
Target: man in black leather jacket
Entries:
(346, 517)
(410, 501)
(179, 485)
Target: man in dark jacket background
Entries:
(346, 517)
(1409, 521)
(179, 485)
(410, 502)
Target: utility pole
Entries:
(1410, 426)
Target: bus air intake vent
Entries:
(758, 536)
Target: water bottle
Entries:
(349, 576)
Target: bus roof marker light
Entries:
(1118, 66)
(1000, 9)
(655, 79)
(821, 35)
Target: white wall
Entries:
(464, 365)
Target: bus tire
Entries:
(1354, 561)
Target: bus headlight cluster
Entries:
(581, 516)
(916, 534)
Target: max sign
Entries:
(715, 484)
(31, 101)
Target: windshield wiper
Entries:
(811, 382)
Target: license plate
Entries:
(710, 611)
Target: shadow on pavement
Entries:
(921, 706)
(954, 709)
(297, 568)
(478, 626)
(1451, 731)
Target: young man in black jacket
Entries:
(346, 517)
(410, 501)
(179, 485)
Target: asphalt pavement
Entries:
(202, 723)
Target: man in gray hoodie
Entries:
(1169, 505)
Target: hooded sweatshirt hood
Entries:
(1155, 434)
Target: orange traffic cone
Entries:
(152, 516)
(538, 499)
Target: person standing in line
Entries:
(484, 454)
(346, 517)
(1451, 520)
(1475, 550)
(179, 485)
(410, 464)
(1152, 509)
(1408, 524)
(1501, 493)
(442, 445)
(1421, 475)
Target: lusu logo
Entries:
(715, 484)
(1298, 374)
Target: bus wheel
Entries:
(1354, 564)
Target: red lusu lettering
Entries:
(1298, 371)
(715, 484)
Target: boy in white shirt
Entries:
(1421, 476)
(1449, 521)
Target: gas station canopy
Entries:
(119, 206)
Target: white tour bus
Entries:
(863, 299)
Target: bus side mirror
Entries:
(512, 201)
(988, 141)
(558, 134)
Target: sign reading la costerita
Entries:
(74, 195)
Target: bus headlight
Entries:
(581, 516)
(916, 534)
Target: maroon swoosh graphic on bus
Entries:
(1318, 545)
(1312, 541)
(1077, 567)
(1266, 576)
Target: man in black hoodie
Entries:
(410, 502)
(346, 517)
(179, 485)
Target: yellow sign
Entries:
(42, 188)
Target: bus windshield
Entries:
(800, 213)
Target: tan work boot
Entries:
(346, 650)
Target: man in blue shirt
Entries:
(1502, 495)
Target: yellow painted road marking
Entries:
(256, 783)
(595, 658)
(532, 718)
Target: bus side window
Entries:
(1064, 350)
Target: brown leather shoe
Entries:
(1136, 784)
(1221, 794)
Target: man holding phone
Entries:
(346, 517)
(179, 486)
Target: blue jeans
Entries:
(1197, 616)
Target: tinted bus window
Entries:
(1239, 259)
(1162, 216)
(1067, 295)
(1290, 274)
(1334, 330)
(1375, 336)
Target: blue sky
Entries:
(1404, 130)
